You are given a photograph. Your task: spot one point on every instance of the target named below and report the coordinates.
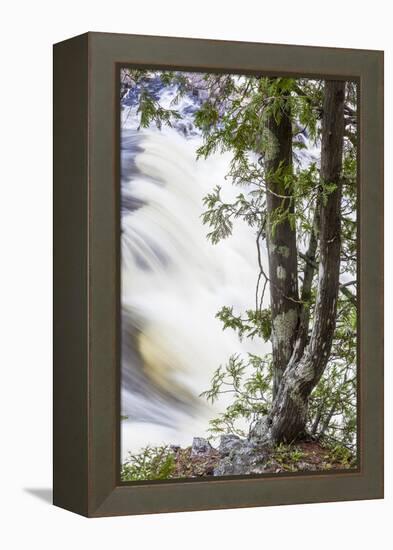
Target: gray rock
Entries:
(246, 457)
(224, 468)
(228, 442)
(261, 430)
(304, 466)
(200, 447)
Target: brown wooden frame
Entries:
(86, 274)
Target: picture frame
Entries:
(86, 387)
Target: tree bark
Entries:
(308, 277)
(289, 411)
(281, 245)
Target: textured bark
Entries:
(289, 411)
(281, 243)
(308, 277)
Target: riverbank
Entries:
(234, 456)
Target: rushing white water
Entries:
(173, 283)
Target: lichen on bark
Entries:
(283, 326)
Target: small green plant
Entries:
(339, 453)
(287, 456)
(149, 463)
(296, 455)
(249, 382)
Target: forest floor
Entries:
(234, 456)
(302, 456)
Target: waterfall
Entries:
(173, 282)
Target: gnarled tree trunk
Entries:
(281, 245)
(288, 416)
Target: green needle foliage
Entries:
(234, 117)
(256, 322)
(248, 381)
(150, 463)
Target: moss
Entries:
(283, 251)
(283, 327)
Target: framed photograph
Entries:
(218, 274)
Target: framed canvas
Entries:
(218, 274)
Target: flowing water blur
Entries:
(173, 283)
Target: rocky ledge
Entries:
(237, 456)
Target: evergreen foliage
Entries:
(150, 463)
(233, 117)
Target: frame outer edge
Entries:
(105, 497)
(70, 261)
(371, 272)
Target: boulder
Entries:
(200, 447)
(228, 442)
(243, 458)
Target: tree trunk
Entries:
(281, 244)
(289, 411)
